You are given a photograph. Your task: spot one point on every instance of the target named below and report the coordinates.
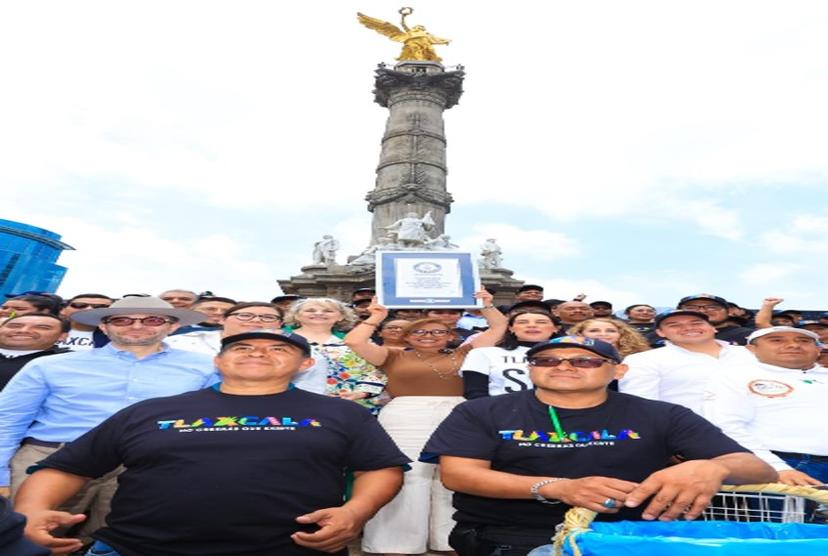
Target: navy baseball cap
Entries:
(598, 347)
(292, 339)
(678, 312)
(709, 296)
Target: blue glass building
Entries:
(27, 258)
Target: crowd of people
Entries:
(196, 424)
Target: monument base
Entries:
(339, 281)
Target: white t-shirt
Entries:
(764, 407)
(676, 375)
(506, 369)
(77, 340)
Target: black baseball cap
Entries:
(709, 296)
(598, 347)
(292, 339)
(603, 303)
(287, 297)
(677, 313)
(530, 287)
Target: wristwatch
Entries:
(534, 490)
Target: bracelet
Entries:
(368, 323)
(534, 490)
(488, 307)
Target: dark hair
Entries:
(627, 310)
(90, 296)
(461, 311)
(415, 324)
(509, 341)
(214, 298)
(44, 304)
(65, 325)
(249, 304)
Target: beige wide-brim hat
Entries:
(139, 306)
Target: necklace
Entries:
(443, 376)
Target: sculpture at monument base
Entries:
(411, 230)
(441, 243)
(491, 255)
(324, 251)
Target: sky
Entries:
(635, 151)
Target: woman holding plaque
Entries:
(425, 384)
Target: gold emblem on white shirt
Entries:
(770, 388)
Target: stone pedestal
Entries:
(501, 279)
(337, 281)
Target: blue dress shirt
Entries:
(60, 397)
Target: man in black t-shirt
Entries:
(250, 467)
(518, 462)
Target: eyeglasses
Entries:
(437, 332)
(82, 305)
(702, 308)
(577, 362)
(252, 316)
(145, 321)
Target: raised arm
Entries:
(765, 313)
(496, 320)
(359, 338)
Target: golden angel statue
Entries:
(417, 42)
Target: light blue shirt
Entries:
(60, 397)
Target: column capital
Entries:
(424, 78)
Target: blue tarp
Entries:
(698, 538)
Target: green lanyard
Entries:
(553, 416)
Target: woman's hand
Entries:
(483, 295)
(377, 312)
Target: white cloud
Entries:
(517, 242)
(805, 234)
(767, 274)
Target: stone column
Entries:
(411, 175)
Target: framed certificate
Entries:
(427, 279)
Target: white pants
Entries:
(419, 517)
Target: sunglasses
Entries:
(437, 332)
(82, 305)
(145, 321)
(251, 316)
(577, 362)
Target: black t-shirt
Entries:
(216, 474)
(626, 437)
(734, 334)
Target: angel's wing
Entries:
(388, 29)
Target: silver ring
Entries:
(609, 503)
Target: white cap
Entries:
(773, 329)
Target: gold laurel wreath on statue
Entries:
(418, 44)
